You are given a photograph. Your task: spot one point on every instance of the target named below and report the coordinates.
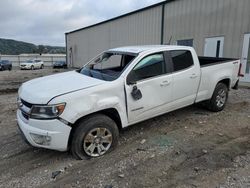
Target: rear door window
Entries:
(182, 59)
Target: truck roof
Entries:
(144, 48)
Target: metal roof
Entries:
(121, 16)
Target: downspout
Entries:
(162, 22)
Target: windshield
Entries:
(108, 66)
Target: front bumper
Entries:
(27, 68)
(57, 132)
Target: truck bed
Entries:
(209, 61)
(212, 69)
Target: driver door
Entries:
(148, 88)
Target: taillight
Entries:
(239, 73)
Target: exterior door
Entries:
(214, 47)
(154, 85)
(246, 58)
(186, 78)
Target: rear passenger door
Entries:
(151, 80)
(186, 78)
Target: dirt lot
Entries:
(191, 147)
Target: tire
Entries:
(32, 67)
(86, 137)
(10, 68)
(41, 66)
(219, 99)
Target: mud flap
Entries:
(236, 86)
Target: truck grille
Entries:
(25, 108)
(26, 103)
(26, 116)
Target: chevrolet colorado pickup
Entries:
(83, 110)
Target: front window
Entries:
(108, 66)
(151, 66)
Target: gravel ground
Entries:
(191, 147)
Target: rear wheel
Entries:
(219, 98)
(94, 137)
(41, 66)
(32, 67)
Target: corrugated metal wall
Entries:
(136, 29)
(184, 19)
(200, 19)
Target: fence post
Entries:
(18, 57)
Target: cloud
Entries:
(46, 21)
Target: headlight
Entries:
(47, 112)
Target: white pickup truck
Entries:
(83, 110)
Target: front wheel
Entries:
(94, 137)
(219, 98)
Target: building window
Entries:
(186, 42)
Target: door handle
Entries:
(193, 76)
(165, 83)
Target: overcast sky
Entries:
(46, 21)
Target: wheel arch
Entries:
(226, 81)
(112, 113)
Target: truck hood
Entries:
(42, 90)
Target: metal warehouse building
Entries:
(216, 28)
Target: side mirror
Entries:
(136, 93)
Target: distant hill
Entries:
(13, 47)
